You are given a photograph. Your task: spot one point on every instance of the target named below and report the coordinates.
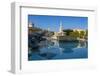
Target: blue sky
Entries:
(53, 22)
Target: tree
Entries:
(86, 33)
(75, 34)
(82, 34)
(68, 31)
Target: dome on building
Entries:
(30, 24)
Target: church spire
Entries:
(60, 28)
